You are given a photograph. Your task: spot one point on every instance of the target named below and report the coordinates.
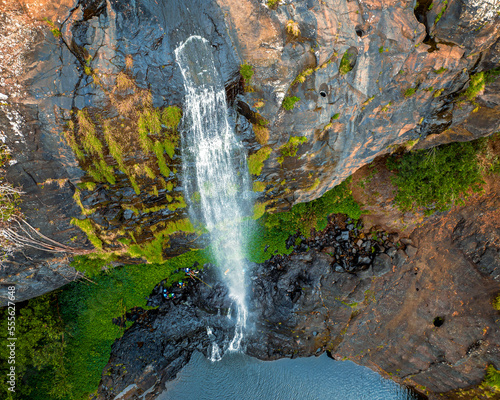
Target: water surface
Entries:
(241, 377)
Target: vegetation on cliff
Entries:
(65, 337)
(438, 178)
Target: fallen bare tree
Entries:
(16, 233)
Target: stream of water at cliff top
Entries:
(216, 179)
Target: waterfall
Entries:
(215, 172)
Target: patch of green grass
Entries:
(438, 92)
(314, 185)
(259, 208)
(301, 78)
(104, 170)
(436, 179)
(345, 63)
(56, 32)
(290, 148)
(87, 133)
(261, 134)
(78, 201)
(87, 311)
(289, 102)
(90, 186)
(246, 71)
(479, 81)
(259, 186)
(443, 9)
(496, 303)
(273, 230)
(149, 172)
(134, 184)
(410, 92)
(272, 4)
(162, 164)
(492, 378)
(256, 160)
(381, 49)
(171, 117)
(116, 151)
(143, 131)
(88, 228)
(440, 70)
(180, 203)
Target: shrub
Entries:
(496, 303)
(410, 92)
(440, 70)
(272, 4)
(246, 72)
(261, 134)
(292, 28)
(290, 148)
(289, 102)
(435, 179)
(346, 64)
(492, 377)
(40, 348)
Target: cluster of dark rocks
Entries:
(352, 249)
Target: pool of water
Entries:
(238, 376)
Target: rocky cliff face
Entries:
(418, 311)
(368, 76)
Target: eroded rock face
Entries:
(419, 311)
(395, 85)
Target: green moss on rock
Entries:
(256, 160)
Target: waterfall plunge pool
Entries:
(241, 377)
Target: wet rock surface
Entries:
(419, 311)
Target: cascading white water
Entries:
(215, 172)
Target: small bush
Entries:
(345, 63)
(261, 134)
(496, 303)
(290, 148)
(410, 92)
(492, 378)
(292, 28)
(246, 71)
(272, 4)
(440, 70)
(289, 102)
(436, 179)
